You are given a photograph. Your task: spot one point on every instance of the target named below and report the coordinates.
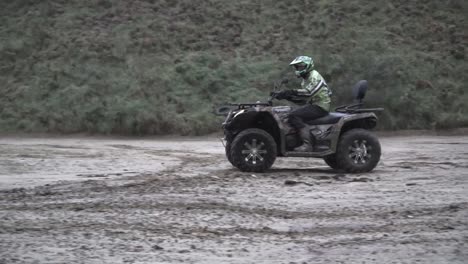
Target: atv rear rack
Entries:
(356, 108)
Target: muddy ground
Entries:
(94, 200)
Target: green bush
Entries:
(160, 67)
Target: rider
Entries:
(314, 94)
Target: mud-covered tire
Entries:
(331, 161)
(228, 152)
(358, 151)
(253, 150)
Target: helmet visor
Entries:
(300, 66)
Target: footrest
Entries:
(307, 154)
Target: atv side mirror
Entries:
(359, 90)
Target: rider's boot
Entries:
(305, 136)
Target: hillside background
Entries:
(160, 66)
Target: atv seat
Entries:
(331, 118)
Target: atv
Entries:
(256, 133)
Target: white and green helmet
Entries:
(303, 65)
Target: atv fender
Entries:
(249, 118)
(366, 121)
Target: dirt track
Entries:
(88, 200)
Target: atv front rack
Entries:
(226, 108)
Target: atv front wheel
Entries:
(228, 152)
(253, 150)
(330, 160)
(358, 151)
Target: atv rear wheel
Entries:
(253, 150)
(330, 160)
(358, 151)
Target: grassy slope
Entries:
(159, 66)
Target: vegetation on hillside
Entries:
(160, 66)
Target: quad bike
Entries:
(256, 133)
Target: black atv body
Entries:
(256, 133)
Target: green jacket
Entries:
(316, 91)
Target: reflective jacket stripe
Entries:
(315, 90)
(317, 87)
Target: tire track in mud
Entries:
(382, 231)
(245, 212)
(202, 200)
(169, 174)
(208, 205)
(169, 178)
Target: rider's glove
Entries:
(285, 94)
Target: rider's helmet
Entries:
(303, 65)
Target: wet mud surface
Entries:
(90, 200)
